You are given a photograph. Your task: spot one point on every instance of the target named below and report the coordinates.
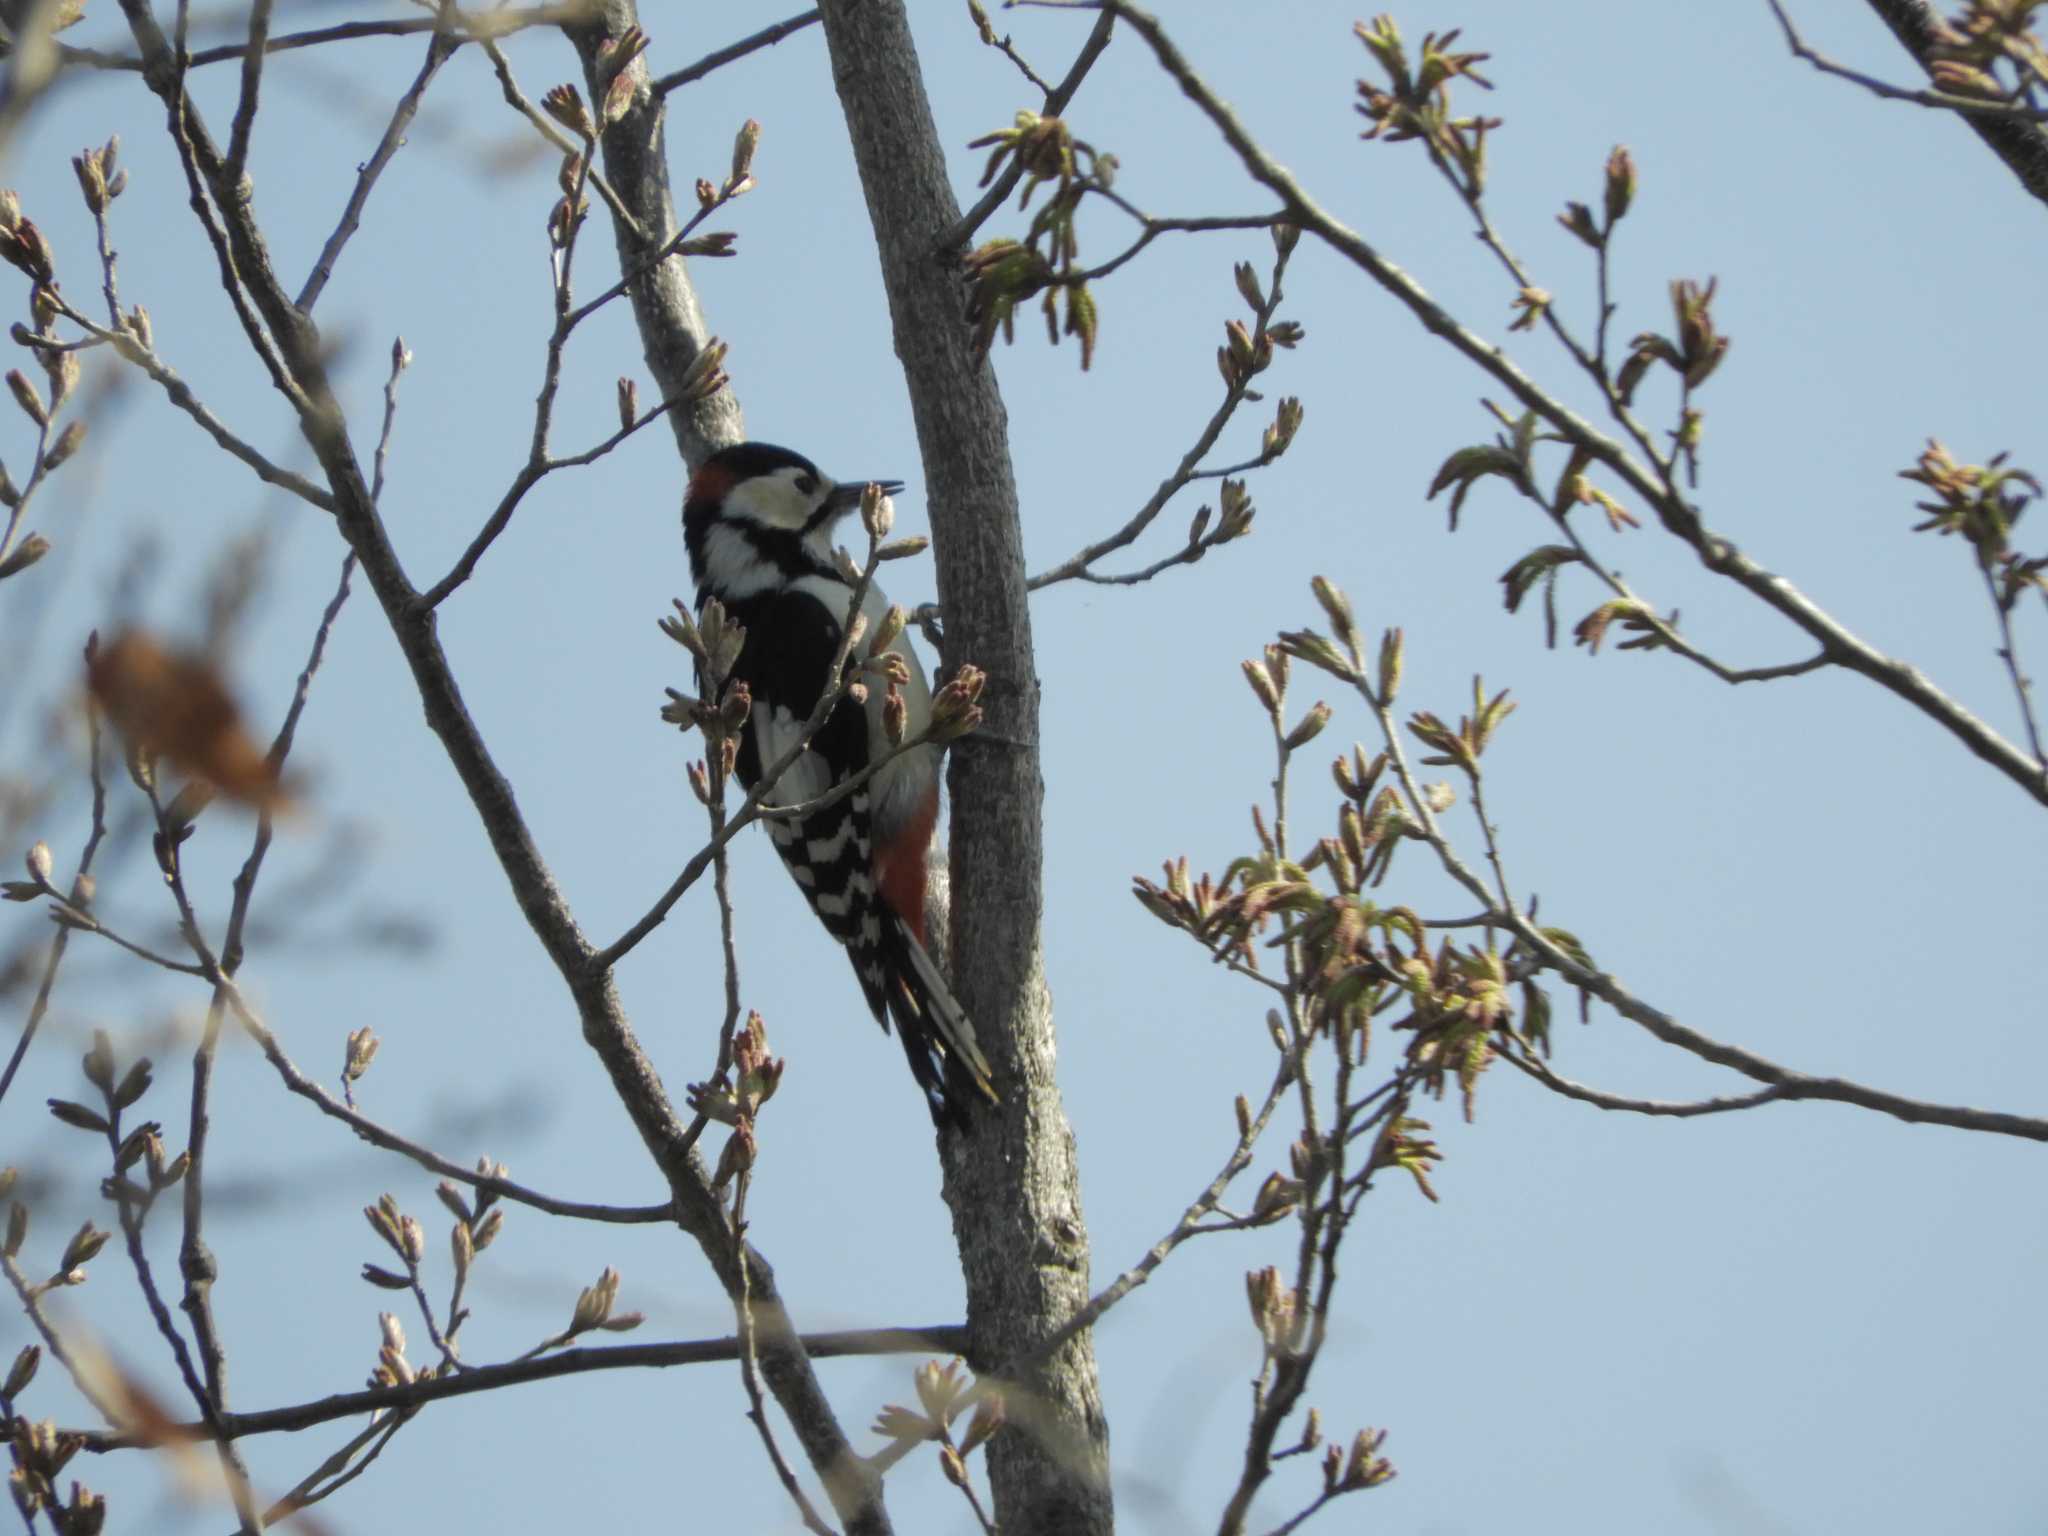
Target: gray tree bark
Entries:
(1013, 1183)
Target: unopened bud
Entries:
(886, 632)
(877, 512)
(1621, 183)
(743, 147)
(24, 555)
(68, 441)
(92, 180)
(27, 398)
(39, 863)
(1248, 285)
(359, 1053)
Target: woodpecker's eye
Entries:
(806, 483)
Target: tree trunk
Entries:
(1013, 1183)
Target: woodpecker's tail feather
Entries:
(937, 1035)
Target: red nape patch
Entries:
(711, 482)
(899, 865)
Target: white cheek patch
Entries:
(773, 501)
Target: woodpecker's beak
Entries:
(845, 495)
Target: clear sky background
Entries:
(1803, 1319)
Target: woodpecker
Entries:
(758, 522)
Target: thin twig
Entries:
(948, 1338)
(1080, 564)
(750, 1371)
(391, 1141)
(1189, 1225)
(1674, 1109)
(180, 395)
(339, 1468)
(764, 38)
(439, 51)
(86, 1381)
(516, 99)
(252, 80)
(538, 463)
(1053, 106)
(2008, 652)
(41, 1006)
(475, 26)
(1943, 101)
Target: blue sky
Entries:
(1806, 1318)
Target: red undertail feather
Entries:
(899, 867)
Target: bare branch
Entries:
(473, 25)
(439, 51)
(945, 1338)
(1537, 1068)
(41, 1006)
(378, 1136)
(1080, 564)
(764, 38)
(180, 395)
(750, 1369)
(1944, 101)
(1191, 1219)
(252, 80)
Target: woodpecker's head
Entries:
(754, 512)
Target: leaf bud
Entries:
(1392, 651)
(83, 1248)
(1578, 218)
(1309, 728)
(895, 715)
(133, 1085)
(71, 438)
(1621, 183)
(743, 146)
(1261, 682)
(27, 398)
(24, 555)
(1337, 606)
(92, 180)
(888, 631)
(564, 103)
(1248, 285)
(360, 1051)
(877, 511)
(23, 1371)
